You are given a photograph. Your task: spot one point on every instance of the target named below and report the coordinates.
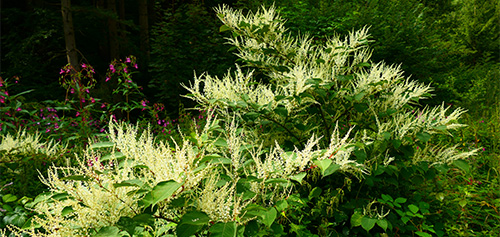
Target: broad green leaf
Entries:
(396, 143)
(400, 200)
(190, 223)
(129, 183)
(413, 208)
(462, 203)
(315, 193)
(9, 198)
(299, 177)
(386, 135)
(144, 218)
(359, 96)
(224, 230)
(423, 234)
(361, 107)
(323, 164)
(67, 210)
(387, 198)
(276, 180)
(281, 205)
(76, 178)
(115, 155)
(281, 111)
(224, 28)
(160, 192)
(251, 116)
(368, 223)
(102, 145)
(31, 223)
(423, 136)
(331, 169)
(463, 165)
(108, 231)
(383, 224)
(356, 219)
(269, 216)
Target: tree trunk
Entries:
(69, 34)
(144, 27)
(114, 46)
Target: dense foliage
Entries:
(309, 134)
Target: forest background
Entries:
(453, 45)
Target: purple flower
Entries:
(77, 114)
(18, 109)
(62, 71)
(128, 60)
(107, 79)
(92, 99)
(72, 91)
(112, 68)
(83, 65)
(87, 90)
(135, 65)
(125, 70)
(103, 105)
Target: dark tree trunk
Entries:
(114, 46)
(144, 27)
(69, 34)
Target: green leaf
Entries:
(299, 177)
(9, 198)
(396, 143)
(463, 165)
(281, 111)
(462, 203)
(67, 210)
(423, 136)
(276, 180)
(359, 96)
(108, 231)
(115, 155)
(223, 230)
(387, 198)
(361, 107)
(365, 64)
(160, 192)
(386, 135)
(323, 164)
(331, 169)
(343, 78)
(224, 28)
(102, 145)
(269, 216)
(423, 234)
(368, 223)
(413, 208)
(400, 200)
(383, 224)
(129, 183)
(76, 178)
(251, 116)
(190, 223)
(356, 219)
(315, 193)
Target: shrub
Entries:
(333, 143)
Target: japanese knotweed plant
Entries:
(296, 89)
(219, 177)
(24, 144)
